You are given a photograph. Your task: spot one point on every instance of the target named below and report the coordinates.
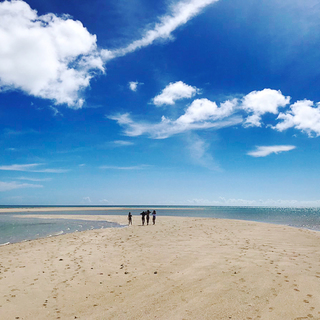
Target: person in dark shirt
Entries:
(143, 214)
(154, 216)
(148, 216)
(129, 218)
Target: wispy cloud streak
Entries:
(140, 167)
(263, 151)
(6, 186)
(34, 179)
(180, 14)
(201, 114)
(32, 167)
(200, 153)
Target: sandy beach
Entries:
(181, 268)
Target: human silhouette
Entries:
(129, 218)
(143, 214)
(154, 217)
(148, 216)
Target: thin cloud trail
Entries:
(180, 14)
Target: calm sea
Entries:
(15, 228)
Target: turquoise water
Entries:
(15, 228)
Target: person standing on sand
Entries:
(143, 214)
(148, 216)
(154, 216)
(129, 218)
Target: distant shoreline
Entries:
(75, 208)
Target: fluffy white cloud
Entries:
(264, 151)
(180, 14)
(201, 114)
(133, 85)
(6, 186)
(45, 56)
(302, 116)
(204, 114)
(261, 102)
(32, 167)
(175, 91)
(55, 57)
(205, 110)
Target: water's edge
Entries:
(15, 228)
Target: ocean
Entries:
(14, 228)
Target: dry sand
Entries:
(181, 268)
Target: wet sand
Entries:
(181, 268)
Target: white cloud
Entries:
(200, 202)
(123, 143)
(263, 151)
(11, 132)
(180, 14)
(87, 199)
(143, 166)
(6, 186)
(55, 57)
(201, 114)
(133, 85)
(33, 167)
(34, 179)
(56, 112)
(45, 56)
(236, 202)
(19, 167)
(175, 91)
(204, 114)
(199, 152)
(205, 110)
(302, 116)
(261, 102)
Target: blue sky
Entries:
(196, 102)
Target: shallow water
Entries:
(14, 229)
